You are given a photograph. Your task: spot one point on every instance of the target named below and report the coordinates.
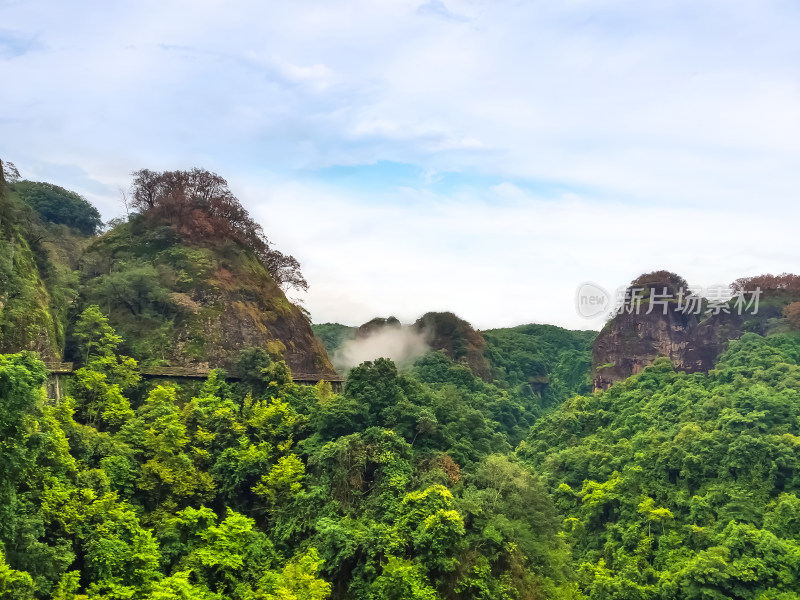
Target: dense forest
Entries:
(501, 477)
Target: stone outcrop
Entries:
(457, 338)
(220, 301)
(241, 311)
(375, 325)
(634, 338)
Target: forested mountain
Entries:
(549, 361)
(675, 485)
(43, 229)
(483, 467)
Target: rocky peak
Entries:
(659, 319)
(457, 338)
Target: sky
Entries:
(482, 157)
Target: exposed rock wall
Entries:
(446, 331)
(633, 340)
(214, 301)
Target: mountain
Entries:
(191, 281)
(679, 485)
(485, 466)
(457, 339)
(183, 303)
(551, 361)
(661, 318)
(39, 246)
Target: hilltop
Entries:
(662, 318)
(546, 360)
(188, 278)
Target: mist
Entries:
(403, 345)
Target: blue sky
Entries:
(485, 157)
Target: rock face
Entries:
(235, 320)
(633, 340)
(196, 306)
(445, 331)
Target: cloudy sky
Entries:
(479, 156)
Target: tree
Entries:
(282, 482)
(792, 314)
(199, 205)
(118, 554)
(376, 384)
(98, 386)
(298, 580)
(402, 580)
(8, 172)
(14, 585)
(96, 337)
(768, 282)
(169, 472)
(58, 205)
(21, 379)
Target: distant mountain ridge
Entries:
(551, 361)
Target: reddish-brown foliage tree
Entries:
(783, 282)
(199, 205)
(792, 314)
(450, 468)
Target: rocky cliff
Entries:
(646, 329)
(375, 325)
(189, 304)
(457, 338)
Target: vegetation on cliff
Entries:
(190, 279)
(684, 486)
(484, 469)
(37, 253)
(182, 302)
(403, 486)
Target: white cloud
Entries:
(403, 345)
(666, 134)
(498, 258)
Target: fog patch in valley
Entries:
(401, 344)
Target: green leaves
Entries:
(95, 336)
(688, 482)
(58, 205)
(117, 550)
(402, 580)
(283, 481)
(298, 580)
(14, 585)
(169, 470)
